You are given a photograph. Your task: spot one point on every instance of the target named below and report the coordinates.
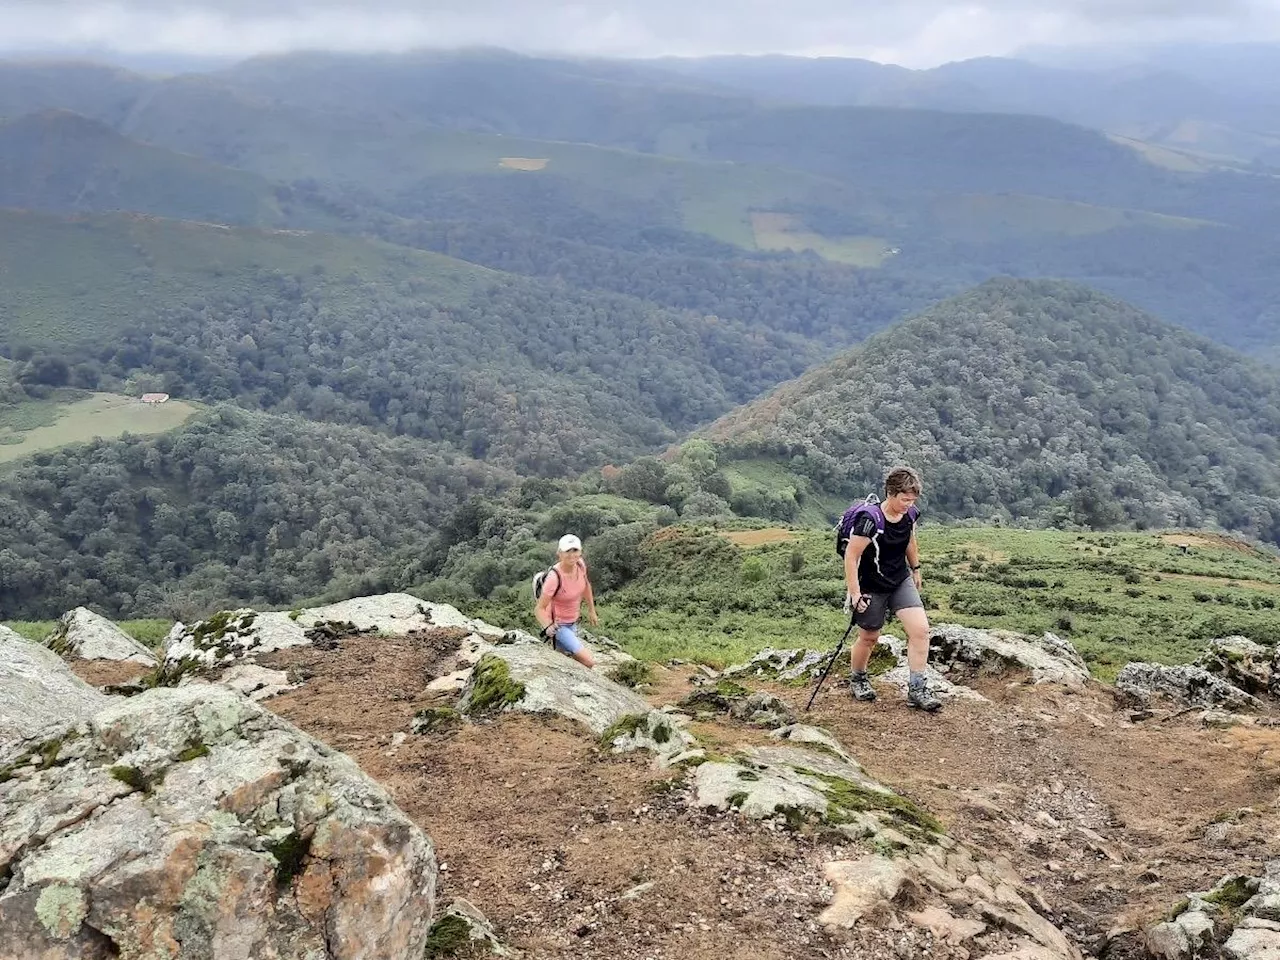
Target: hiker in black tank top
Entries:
(882, 573)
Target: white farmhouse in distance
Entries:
(155, 397)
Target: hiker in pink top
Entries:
(564, 588)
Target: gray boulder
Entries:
(1247, 907)
(535, 679)
(232, 635)
(762, 710)
(1242, 663)
(191, 822)
(1187, 685)
(38, 692)
(1048, 659)
(84, 635)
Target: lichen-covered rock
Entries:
(762, 710)
(660, 733)
(396, 614)
(255, 682)
(1048, 659)
(809, 783)
(813, 737)
(788, 666)
(1186, 684)
(232, 635)
(461, 926)
(38, 691)
(1253, 941)
(1247, 907)
(1242, 663)
(1188, 936)
(84, 635)
(191, 822)
(535, 679)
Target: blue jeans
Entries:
(567, 639)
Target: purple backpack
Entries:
(869, 507)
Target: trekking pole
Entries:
(863, 603)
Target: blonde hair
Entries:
(901, 480)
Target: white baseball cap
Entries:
(569, 542)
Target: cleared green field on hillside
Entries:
(48, 424)
(84, 280)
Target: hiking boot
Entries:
(860, 687)
(922, 698)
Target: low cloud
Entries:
(913, 32)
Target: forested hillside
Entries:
(535, 272)
(540, 375)
(1037, 401)
(234, 507)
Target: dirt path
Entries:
(1037, 767)
(572, 852)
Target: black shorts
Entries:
(902, 597)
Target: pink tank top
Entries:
(566, 602)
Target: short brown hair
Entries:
(901, 480)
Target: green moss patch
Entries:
(1232, 895)
(625, 727)
(132, 777)
(633, 673)
(492, 687)
(194, 752)
(448, 935)
(847, 798)
(290, 852)
(881, 662)
(435, 719)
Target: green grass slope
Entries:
(63, 162)
(1117, 597)
(85, 281)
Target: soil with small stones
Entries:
(108, 673)
(573, 852)
(1112, 821)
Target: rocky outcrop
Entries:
(1047, 659)
(914, 871)
(889, 665)
(233, 635)
(533, 678)
(84, 635)
(1186, 685)
(462, 928)
(38, 692)
(193, 823)
(787, 666)
(955, 654)
(762, 710)
(1238, 919)
(1249, 666)
(662, 734)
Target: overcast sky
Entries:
(912, 32)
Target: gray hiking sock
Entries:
(916, 678)
(857, 674)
